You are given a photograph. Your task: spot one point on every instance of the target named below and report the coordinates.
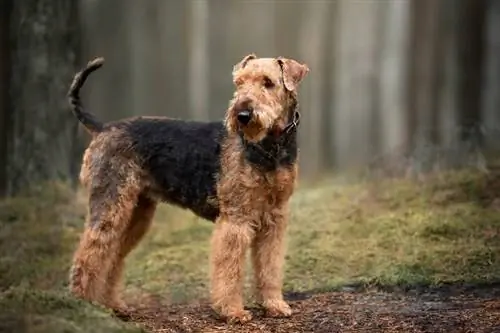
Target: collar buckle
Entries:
(294, 124)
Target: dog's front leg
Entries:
(268, 252)
(230, 240)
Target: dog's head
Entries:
(265, 90)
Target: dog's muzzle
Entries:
(244, 116)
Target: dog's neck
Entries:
(275, 150)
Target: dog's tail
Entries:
(87, 119)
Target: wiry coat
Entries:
(239, 176)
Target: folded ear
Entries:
(243, 62)
(293, 72)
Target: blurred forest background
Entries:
(404, 85)
(397, 88)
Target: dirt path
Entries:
(453, 309)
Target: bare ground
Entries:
(452, 308)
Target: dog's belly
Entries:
(197, 194)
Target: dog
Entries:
(238, 173)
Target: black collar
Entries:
(293, 124)
(274, 150)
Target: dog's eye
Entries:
(268, 83)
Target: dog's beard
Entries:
(255, 130)
(231, 122)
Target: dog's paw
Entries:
(242, 317)
(277, 308)
(233, 316)
(118, 306)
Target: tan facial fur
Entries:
(265, 85)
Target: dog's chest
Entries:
(252, 189)
(248, 191)
(275, 187)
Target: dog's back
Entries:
(180, 159)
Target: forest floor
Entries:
(375, 256)
(451, 308)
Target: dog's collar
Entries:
(293, 124)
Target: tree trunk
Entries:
(286, 29)
(261, 39)
(356, 72)
(448, 99)
(109, 93)
(171, 68)
(5, 113)
(470, 59)
(313, 52)
(393, 75)
(199, 60)
(45, 49)
(147, 73)
(491, 98)
(221, 60)
(425, 75)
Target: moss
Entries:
(28, 310)
(444, 229)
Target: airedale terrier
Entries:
(238, 173)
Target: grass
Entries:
(32, 310)
(392, 232)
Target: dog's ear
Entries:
(243, 62)
(293, 72)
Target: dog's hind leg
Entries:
(113, 197)
(139, 224)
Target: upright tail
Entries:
(88, 120)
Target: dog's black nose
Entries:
(245, 116)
